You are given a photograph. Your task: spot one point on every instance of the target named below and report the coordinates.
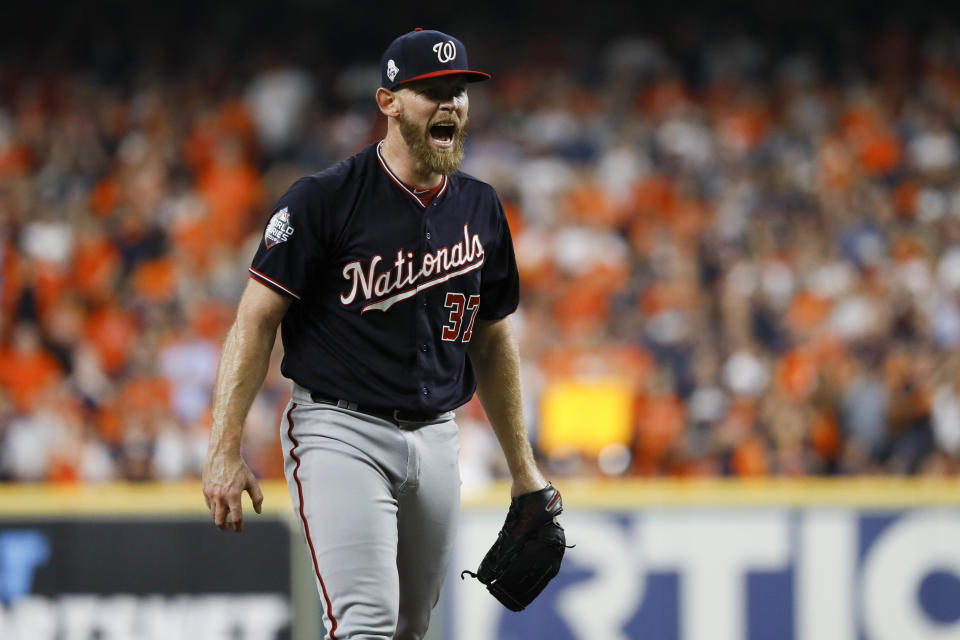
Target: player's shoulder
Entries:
(332, 180)
(471, 184)
(470, 180)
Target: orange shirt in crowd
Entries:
(113, 332)
(230, 191)
(750, 458)
(155, 280)
(661, 423)
(96, 264)
(146, 395)
(26, 375)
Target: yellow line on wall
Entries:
(119, 499)
(870, 492)
(181, 498)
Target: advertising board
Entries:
(809, 560)
(812, 569)
(133, 579)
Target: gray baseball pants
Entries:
(378, 506)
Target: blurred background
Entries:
(738, 232)
(738, 228)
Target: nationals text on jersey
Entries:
(447, 262)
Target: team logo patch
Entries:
(279, 229)
(392, 70)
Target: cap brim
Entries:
(469, 76)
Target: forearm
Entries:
(496, 362)
(243, 368)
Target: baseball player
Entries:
(391, 276)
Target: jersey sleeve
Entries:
(290, 246)
(500, 283)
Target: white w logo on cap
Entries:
(446, 51)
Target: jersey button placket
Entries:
(424, 346)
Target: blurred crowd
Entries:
(763, 247)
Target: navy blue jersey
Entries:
(386, 290)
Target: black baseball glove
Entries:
(528, 550)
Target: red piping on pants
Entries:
(306, 527)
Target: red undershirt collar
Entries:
(423, 196)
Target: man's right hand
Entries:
(225, 478)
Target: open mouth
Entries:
(443, 133)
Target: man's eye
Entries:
(439, 95)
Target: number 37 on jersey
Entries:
(459, 306)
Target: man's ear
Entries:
(388, 102)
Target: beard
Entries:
(427, 157)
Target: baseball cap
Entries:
(424, 53)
